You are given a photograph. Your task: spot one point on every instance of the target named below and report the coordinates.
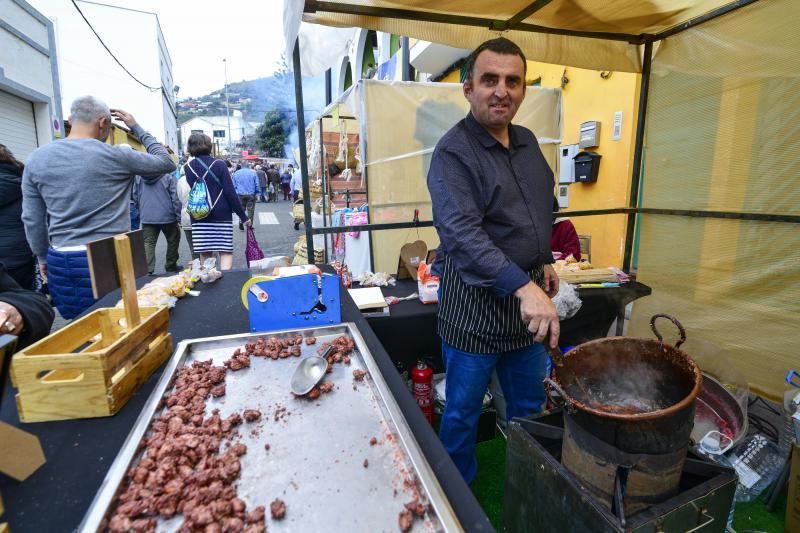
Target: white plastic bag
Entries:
(566, 301)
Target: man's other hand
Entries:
(248, 223)
(43, 270)
(124, 116)
(10, 320)
(539, 313)
(550, 281)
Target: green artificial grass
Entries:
(488, 488)
(753, 516)
(488, 485)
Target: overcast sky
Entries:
(200, 33)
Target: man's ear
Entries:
(467, 87)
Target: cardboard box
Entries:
(793, 501)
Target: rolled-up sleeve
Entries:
(457, 199)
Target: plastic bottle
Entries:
(757, 462)
(791, 406)
(347, 279)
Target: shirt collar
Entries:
(486, 139)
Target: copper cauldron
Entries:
(629, 403)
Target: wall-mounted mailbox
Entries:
(590, 134)
(587, 165)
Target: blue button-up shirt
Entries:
(245, 181)
(492, 205)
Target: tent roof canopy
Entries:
(581, 33)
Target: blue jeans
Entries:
(520, 372)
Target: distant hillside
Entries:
(255, 97)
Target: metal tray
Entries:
(316, 455)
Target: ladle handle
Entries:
(556, 355)
(674, 321)
(566, 403)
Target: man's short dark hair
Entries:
(199, 144)
(500, 45)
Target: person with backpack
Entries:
(212, 202)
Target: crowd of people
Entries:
(82, 189)
(495, 258)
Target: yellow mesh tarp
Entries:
(401, 124)
(631, 17)
(723, 134)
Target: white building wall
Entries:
(28, 64)
(87, 68)
(239, 128)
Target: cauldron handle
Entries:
(674, 321)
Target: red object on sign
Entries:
(422, 377)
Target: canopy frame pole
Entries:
(301, 134)
(313, 6)
(633, 200)
(702, 19)
(325, 183)
(406, 73)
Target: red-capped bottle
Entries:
(422, 377)
(347, 278)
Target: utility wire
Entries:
(110, 52)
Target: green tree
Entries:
(271, 135)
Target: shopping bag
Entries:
(252, 251)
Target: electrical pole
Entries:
(227, 103)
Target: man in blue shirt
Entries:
(245, 181)
(492, 195)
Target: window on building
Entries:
(348, 77)
(219, 133)
(368, 58)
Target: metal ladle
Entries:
(309, 372)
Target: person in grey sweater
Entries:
(78, 190)
(160, 211)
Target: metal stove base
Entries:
(542, 496)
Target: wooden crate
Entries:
(4, 525)
(91, 367)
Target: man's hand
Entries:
(249, 223)
(550, 281)
(539, 313)
(43, 270)
(10, 320)
(124, 116)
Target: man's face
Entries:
(496, 89)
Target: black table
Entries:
(409, 332)
(80, 452)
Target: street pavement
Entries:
(274, 226)
(275, 233)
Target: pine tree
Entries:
(271, 135)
